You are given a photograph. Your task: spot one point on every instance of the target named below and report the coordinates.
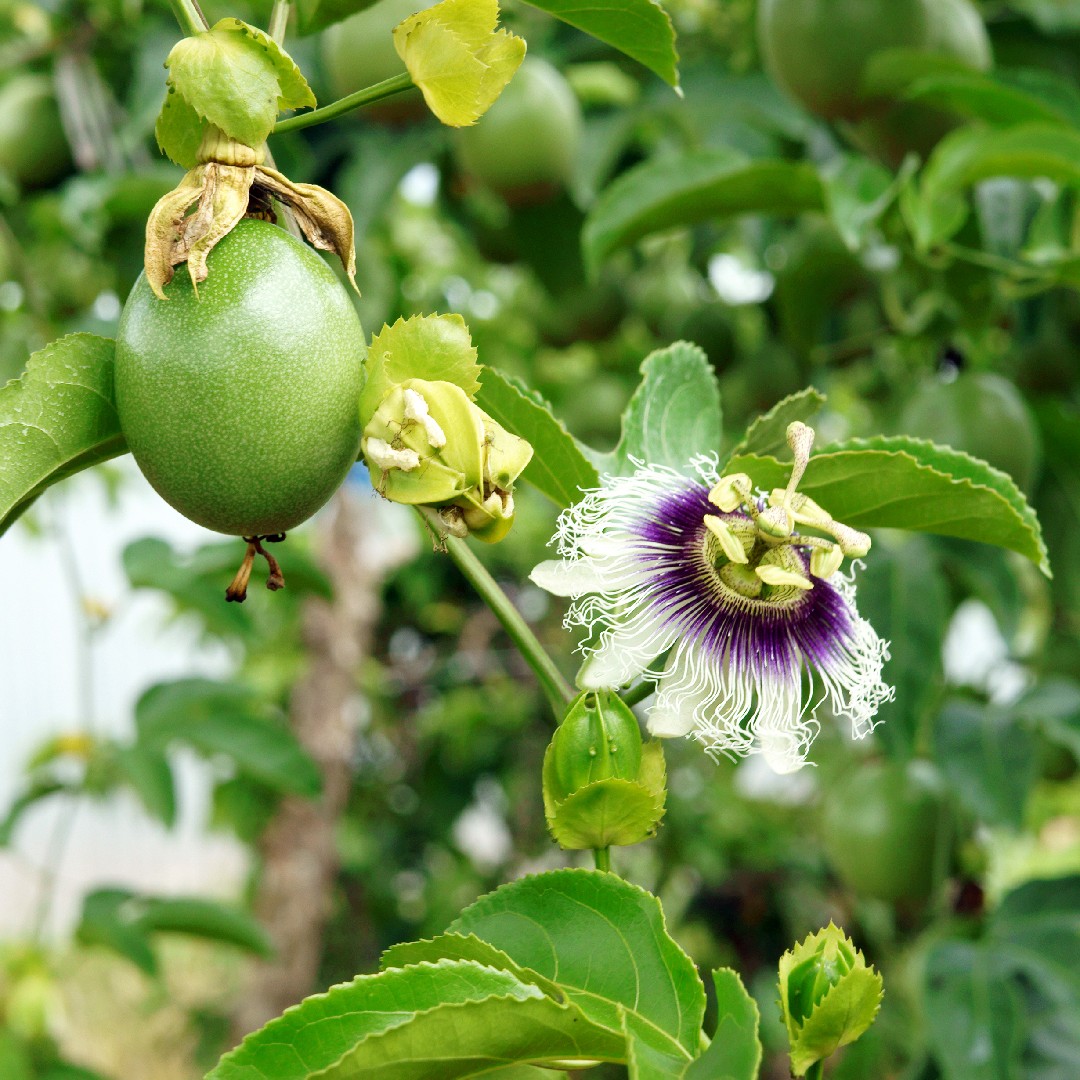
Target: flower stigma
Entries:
(730, 599)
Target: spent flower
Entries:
(705, 586)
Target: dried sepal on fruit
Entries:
(231, 182)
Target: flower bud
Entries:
(598, 738)
(424, 444)
(829, 996)
(602, 786)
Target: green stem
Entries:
(558, 691)
(189, 16)
(603, 858)
(279, 20)
(816, 1071)
(367, 96)
(636, 694)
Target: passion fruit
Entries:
(239, 402)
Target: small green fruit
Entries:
(239, 403)
(525, 146)
(33, 147)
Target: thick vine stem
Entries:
(556, 688)
(368, 96)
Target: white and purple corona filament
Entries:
(704, 586)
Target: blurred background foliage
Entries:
(948, 844)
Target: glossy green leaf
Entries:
(903, 595)
(179, 131)
(558, 467)
(431, 347)
(463, 947)
(58, 418)
(448, 1019)
(971, 154)
(641, 29)
(683, 189)
(225, 718)
(902, 483)
(735, 1050)
(644, 1061)
(237, 78)
(604, 942)
(674, 415)
(989, 760)
(768, 433)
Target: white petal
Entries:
(625, 651)
(680, 699)
(669, 723)
(575, 577)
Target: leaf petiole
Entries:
(368, 96)
(189, 15)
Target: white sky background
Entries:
(112, 842)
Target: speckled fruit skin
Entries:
(240, 405)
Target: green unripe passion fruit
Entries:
(525, 146)
(359, 52)
(240, 403)
(881, 826)
(34, 150)
(818, 50)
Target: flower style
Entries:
(757, 626)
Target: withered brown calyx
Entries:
(230, 178)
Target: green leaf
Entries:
(463, 947)
(108, 919)
(58, 418)
(604, 942)
(859, 191)
(448, 1019)
(237, 78)
(735, 1050)
(1053, 705)
(432, 347)
(903, 596)
(683, 189)
(179, 131)
(645, 1061)
(902, 483)
(558, 467)
(986, 98)
(315, 15)
(971, 154)
(198, 917)
(990, 761)
(148, 773)
(768, 433)
(225, 718)
(641, 29)
(606, 813)
(674, 415)
(974, 1016)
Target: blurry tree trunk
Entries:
(299, 861)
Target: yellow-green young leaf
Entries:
(606, 814)
(56, 420)
(238, 78)
(431, 347)
(458, 58)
